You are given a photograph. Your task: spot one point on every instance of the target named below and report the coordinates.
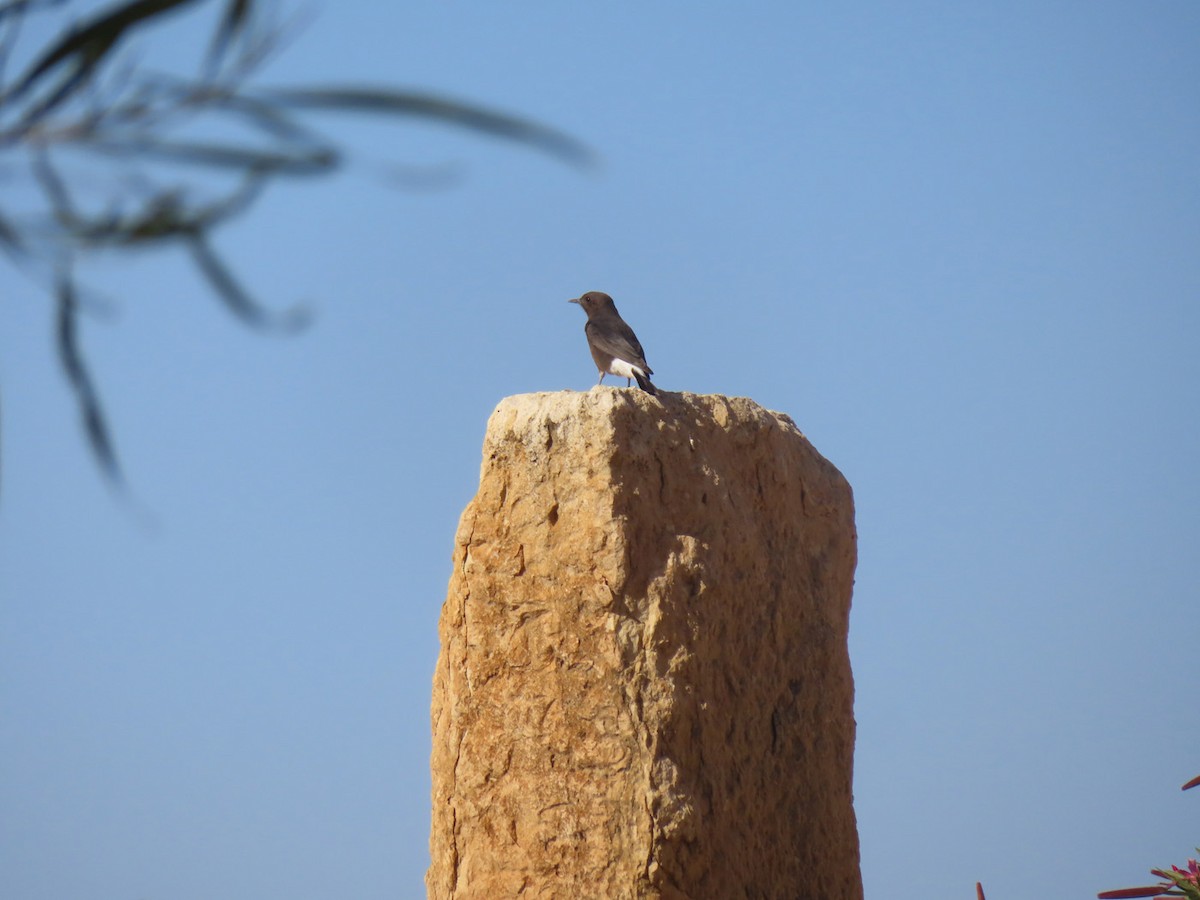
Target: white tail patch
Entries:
(624, 369)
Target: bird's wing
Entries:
(617, 339)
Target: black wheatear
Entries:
(614, 346)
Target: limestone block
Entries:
(644, 689)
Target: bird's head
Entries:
(594, 301)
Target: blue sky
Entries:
(957, 243)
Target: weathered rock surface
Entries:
(644, 688)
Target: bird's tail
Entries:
(644, 382)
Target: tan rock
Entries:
(644, 688)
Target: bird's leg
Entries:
(628, 382)
(601, 381)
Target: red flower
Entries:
(1192, 874)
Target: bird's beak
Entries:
(573, 300)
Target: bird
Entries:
(614, 346)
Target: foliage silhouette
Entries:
(81, 94)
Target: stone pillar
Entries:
(644, 689)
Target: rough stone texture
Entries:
(644, 688)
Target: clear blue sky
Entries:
(959, 243)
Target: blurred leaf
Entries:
(86, 47)
(235, 297)
(164, 216)
(14, 7)
(54, 188)
(431, 106)
(134, 117)
(10, 237)
(235, 21)
(81, 380)
(266, 117)
(311, 161)
(20, 7)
